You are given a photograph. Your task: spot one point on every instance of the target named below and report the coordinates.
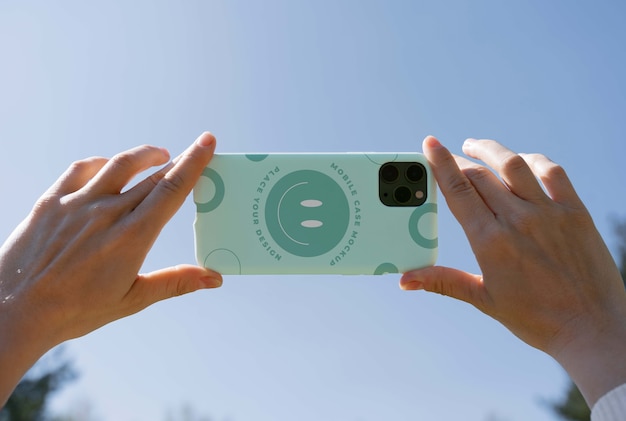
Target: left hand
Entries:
(72, 265)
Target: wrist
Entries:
(22, 342)
(596, 360)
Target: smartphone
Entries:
(321, 213)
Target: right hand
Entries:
(546, 273)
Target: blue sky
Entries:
(95, 78)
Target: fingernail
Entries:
(468, 146)
(211, 282)
(165, 152)
(414, 286)
(411, 284)
(206, 140)
(433, 142)
(469, 142)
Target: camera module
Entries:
(402, 184)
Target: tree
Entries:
(28, 401)
(574, 407)
(620, 230)
(185, 413)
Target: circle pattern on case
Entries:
(219, 191)
(384, 268)
(418, 213)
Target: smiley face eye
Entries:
(311, 203)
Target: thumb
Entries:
(170, 282)
(447, 281)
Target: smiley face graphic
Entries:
(307, 213)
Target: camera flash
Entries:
(419, 194)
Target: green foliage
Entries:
(574, 408)
(620, 230)
(185, 413)
(28, 401)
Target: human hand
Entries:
(546, 273)
(72, 265)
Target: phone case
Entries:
(313, 214)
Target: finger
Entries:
(554, 179)
(170, 192)
(135, 195)
(140, 191)
(462, 198)
(167, 283)
(493, 192)
(510, 166)
(77, 175)
(453, 283)
(120, 169)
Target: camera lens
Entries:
(402, 194)
(414, 173)
(389, 173)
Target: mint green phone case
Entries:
(310, 214)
